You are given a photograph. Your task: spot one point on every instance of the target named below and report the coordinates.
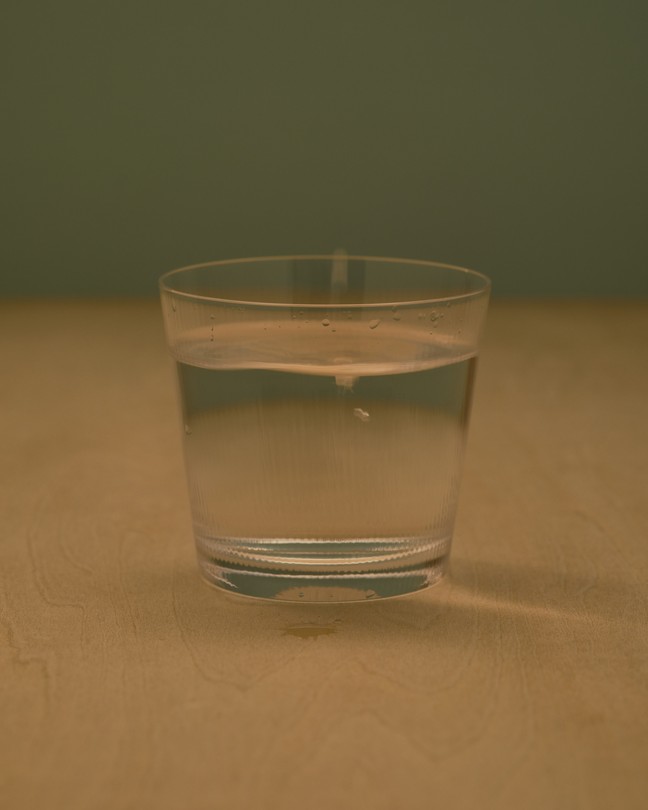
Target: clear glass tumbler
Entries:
(325, 403)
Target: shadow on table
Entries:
(537, 592)
(478, 597)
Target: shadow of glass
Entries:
(485, 603)
(538, 593)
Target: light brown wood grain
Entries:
(520, 682)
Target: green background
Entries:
(507, 136)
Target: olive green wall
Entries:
(508, 136)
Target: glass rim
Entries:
(483, 289)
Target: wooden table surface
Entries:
(519, 682)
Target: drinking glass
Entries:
(325, 403)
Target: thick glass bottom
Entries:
(323, 572)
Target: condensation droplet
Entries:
(212, 317)
(333, 329)
(396, 316)
(434, 316)
(373, 324)
(362, 415)
(394, 309)
(187, 429)
(173, 306)
(326, 322)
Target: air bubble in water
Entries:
(373, 324)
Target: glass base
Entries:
(341, 583)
